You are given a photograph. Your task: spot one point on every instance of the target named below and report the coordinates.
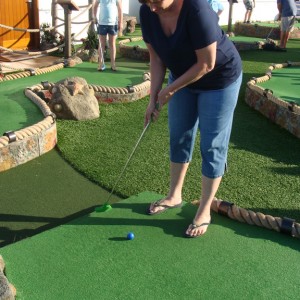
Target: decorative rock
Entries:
(72, 99)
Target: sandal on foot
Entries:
(164, 207)
(196, 226)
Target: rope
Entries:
(28, 73)
(283, 225)
(29, 30)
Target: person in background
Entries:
(109, 23)
(249, 5)
(287, 14)
(217, 6)
(205, 74)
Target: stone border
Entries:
(286, 114)
(18, 147)
(142, 54)
(133, 52)
(260, 31)
(243, 46)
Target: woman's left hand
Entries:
(163, 97)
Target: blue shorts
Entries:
(212, 112)
(107, 29)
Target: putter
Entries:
(106, 206)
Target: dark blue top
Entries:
(197, 27)
(288, 7)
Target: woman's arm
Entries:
(158, 73)
(95, 8)
(206, 59)
(120, 17)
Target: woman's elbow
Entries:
(209, 67)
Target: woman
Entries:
(110, 21)
(204, 81)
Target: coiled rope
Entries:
(228, 209)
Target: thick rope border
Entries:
(291, 110)
(252, 218)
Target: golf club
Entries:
(106, 206)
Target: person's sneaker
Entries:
(101, 69)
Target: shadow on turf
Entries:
(9, 236)
(176, 227)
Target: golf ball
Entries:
(130, 236)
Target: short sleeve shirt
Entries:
(197, 27)
(289, 8)
(216, 5)
(108, 12)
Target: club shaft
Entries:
(133, 151)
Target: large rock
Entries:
(7, 290)
(72, 99)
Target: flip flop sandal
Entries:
(164, 206)
(196, 226)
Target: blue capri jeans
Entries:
(212, 112)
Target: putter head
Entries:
(103, 208)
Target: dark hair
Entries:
(143, 1)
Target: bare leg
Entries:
(112, 46)
(209, 189)
(286, 38)
(177, 174)
(246, 16)
(101, 50)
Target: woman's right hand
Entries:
(152, 113)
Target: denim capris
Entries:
(212, 112)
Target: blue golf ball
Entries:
(130, 236)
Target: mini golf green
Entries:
(284, 83)
(91, 258)
(17, 112)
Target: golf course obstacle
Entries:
(129, 47)
(284, 225)
(261, 30)
(284, 113)
(18, 147)
(108, 94)
(134, 52)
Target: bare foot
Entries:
(199, 226)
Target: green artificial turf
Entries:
(90, 258)
(263, 158)
(42, 194)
